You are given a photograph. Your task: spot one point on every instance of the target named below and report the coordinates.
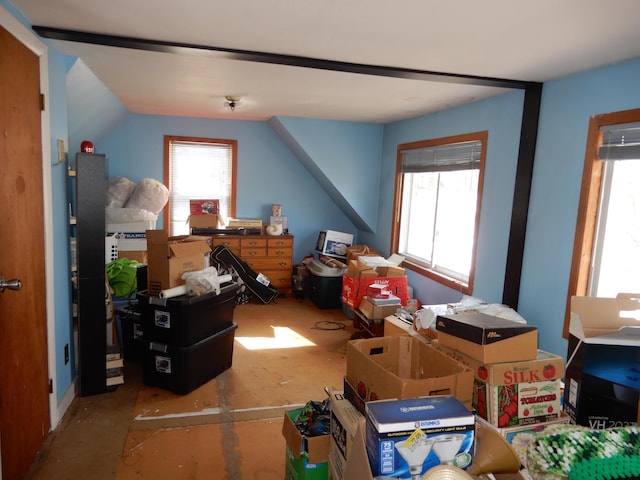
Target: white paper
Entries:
(174, 292)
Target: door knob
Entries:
(13, 284)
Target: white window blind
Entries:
(198, 170)
(620, 142)
(456, 156)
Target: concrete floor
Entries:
(230, 428)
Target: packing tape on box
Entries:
(173, 292)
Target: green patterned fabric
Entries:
(578, 453)
(122, 276)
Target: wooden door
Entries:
(24, 378)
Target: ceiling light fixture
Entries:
(232, 102)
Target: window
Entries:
(438, 192)
(606, 251)
(198, 168)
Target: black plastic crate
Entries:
(182, 321)
(325, 292)
(183, 369)
(131, 333)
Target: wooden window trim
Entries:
(588, 207)
(397, 208)
(167, 172)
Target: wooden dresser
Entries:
(271, 255)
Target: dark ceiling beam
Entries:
(528, 132)
(521, 195)
(273, 58)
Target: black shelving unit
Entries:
(90, 190)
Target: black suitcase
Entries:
(224, 259)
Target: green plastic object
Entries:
(122, 276)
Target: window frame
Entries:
(434, 275)
(167, 170)
(587, 219)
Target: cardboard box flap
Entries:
(316, 448)
(402, 366)
(186, 249)
(156, 237)
(593, 317)
(481, 328)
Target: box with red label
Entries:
(515, 393)
(353, 289)
(209, 206)
(378, 290)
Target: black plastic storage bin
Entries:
(325, 292)
(131, 332)
(183, 369)
(182, 321)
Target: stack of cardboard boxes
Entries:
(409, 403)
(373, 288)
(517, 388)
(398, 390)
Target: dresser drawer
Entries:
(227, 242)
(270, 255)
(248, 253)
(253, 243)
(280, 242)
(279, 252)
(278, 278)
(265, 263)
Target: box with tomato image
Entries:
(402, 366)
(507, 394)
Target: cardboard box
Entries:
(359, 269)
(204, 221)
(358, 463)
(170, 257)
(204, 206)
(345, 419)
(394, 325)
(515, 393)
(356, 251)
(522, 436)
(486, 338)
(390, 271)
(602, 385)
(245, 223)
(378, 290)
(377, 312)
(138, 256)
(307, 458)
(333, 243)
(353, 288)
(405, 438)
(401, 367)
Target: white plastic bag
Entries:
(130, 215)
(119, 190)
(149, 194)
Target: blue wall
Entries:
(267, 172)
(501, 117)
(567, 105)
